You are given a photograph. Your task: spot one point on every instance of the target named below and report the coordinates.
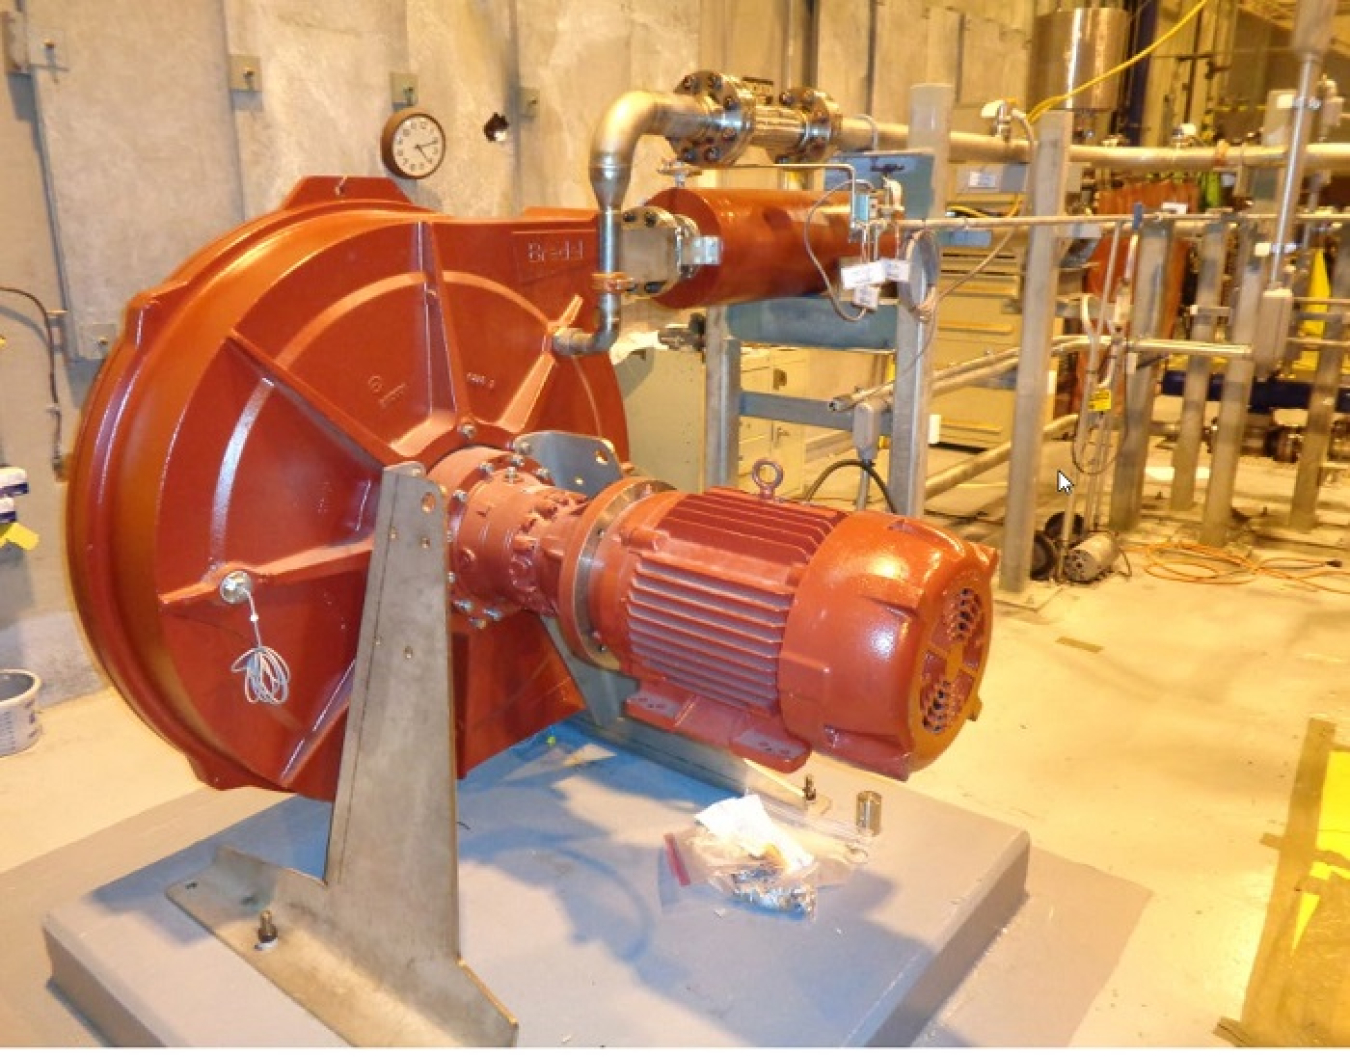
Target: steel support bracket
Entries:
(14, 36)
(245, 73)
(402, 89)
(373, 949)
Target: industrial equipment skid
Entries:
(554, 858)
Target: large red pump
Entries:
(237, 435)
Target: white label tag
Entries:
(897, 271)
(867, 297)
(852, 276)
(982, 180)
(1174, 207)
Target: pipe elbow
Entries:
(629, 118)
(573, 341)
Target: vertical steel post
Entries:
(930, 130)
(1127, 484)
(1048, 180)
(722, 411)
(1208, 295)
(1321, 411)
(1308, 40)
(1237, 393)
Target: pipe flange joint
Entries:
(821, 121)
(731, 104)
(661, 249)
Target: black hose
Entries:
(50, 334)
(866, 465)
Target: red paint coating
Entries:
(763, 252)
(243, 421)
(765, 627)
(244, 418)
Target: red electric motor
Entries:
(241, 426)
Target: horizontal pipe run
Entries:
(957, 376)
(801, 410)
(1319, 343)
(1171, 347)
(947, 479)
(967, 374)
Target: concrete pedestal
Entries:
(570, 917)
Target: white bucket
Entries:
(19, 725)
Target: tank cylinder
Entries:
(1072, 46)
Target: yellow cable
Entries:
(1049, 104)
(1195, 563)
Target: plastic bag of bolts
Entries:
(776, 864)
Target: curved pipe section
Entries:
(628, 119)
(675, 116)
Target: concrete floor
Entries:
(1146, 728)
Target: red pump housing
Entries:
(243, 420)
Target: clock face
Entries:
(413, 144)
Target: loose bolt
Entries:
(267, 932)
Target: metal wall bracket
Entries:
(95, 341)
(27, 46)
(245, 73)
(373, 950)
(402, 89)
(14, 37)
(527, 103)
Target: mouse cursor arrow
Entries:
(1062, 483)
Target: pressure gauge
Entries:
(412, 144)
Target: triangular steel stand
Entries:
(373, 949)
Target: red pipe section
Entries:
(763, 236)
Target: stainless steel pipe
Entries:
(1048, 180)
(1321, 413)
(1195, 394)
(963, 374)
(628, 119)
(946, 480)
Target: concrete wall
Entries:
(149, 154)
(37, 629)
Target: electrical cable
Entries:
(924, 270)
(1049, 104)
(1195, 563)
(267, 676)
(824, 275)
(54, 409)
(866, 465)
